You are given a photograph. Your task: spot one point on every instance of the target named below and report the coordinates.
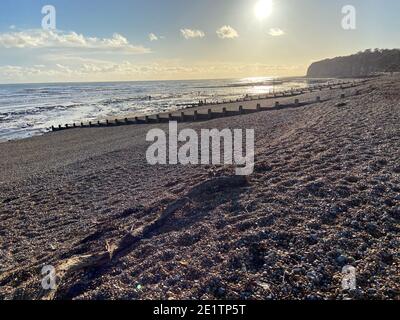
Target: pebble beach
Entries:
(325, 194)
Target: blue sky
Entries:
(110, 40)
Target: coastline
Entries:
(324, 194)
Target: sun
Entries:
(263, 9)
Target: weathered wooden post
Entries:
(277, 104)
(67, 126)
(296, 102)
(240, 109)
(170, 117)
(182, 116)
(136, 120)
(126, 121)
(98, 123)
(224, 112)
(210, 115)
(82, 125)
(74, 125)
(195, 115)
(52, 128)
(258, 107)
(90, 124)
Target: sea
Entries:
(28, 110)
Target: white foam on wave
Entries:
(27, 110)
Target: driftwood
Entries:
(124, 245)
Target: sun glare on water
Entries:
(263, 9)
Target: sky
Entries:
(128, 40)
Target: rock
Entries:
(263, 285)
(341, 104)
(373, 230)
(372, 292)
(355, 224)
(221, 292)
(387, 257)
(395, 213)
(357, 294)
(312, 239)
(342, 260)
(297, 270)
(314, 277)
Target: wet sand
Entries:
(325, 194)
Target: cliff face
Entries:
(357, 65)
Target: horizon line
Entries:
(165, 80)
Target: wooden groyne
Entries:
(182, 116)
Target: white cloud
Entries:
(153, 37)
(276, 32)
(192, 33)
(227, 32)
(99, 70)
(12, 27)
(58, 39)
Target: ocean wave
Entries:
(35, 107)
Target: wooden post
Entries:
(136, 119)
(107, 122)
(318, 99)
(224, 112)
(170, 117)
(82, 124)
(74, 125)
(210, 115)
(147, 119)
(195, 116)
(296, 102)
(66, 126)
(240, 109)
(59, 126)
(52, 128)
(98, 123)
(182, 116)
(158, 118)
(258, 107)
(126, 120)
(277, 104)
(90, 124)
